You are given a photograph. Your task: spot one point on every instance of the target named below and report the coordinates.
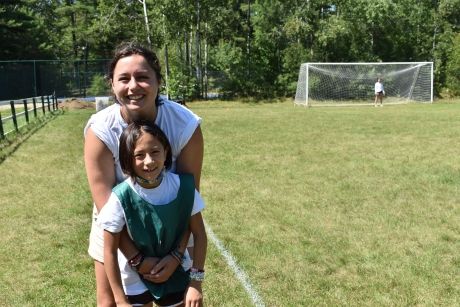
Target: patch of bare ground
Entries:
(75, 104)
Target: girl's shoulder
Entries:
(171, 179)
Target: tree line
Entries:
(239, 47)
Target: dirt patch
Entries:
(76, 104)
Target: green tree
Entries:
(23, 33)
(453, 69)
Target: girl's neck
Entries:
(149, 184)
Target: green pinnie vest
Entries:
(157, 230)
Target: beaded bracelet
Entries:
(175, 257)
(196, 274)
(136, 261)
(178, 256)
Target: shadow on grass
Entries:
(256, 100)
(11, 143)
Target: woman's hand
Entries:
(194, 295)
(162, 270)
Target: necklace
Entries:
(151, 183)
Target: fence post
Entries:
(43, 105)
(2, 134)
(35, 106)
(48, 100)
(13, 114)
(26, 111)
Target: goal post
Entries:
(336, 84)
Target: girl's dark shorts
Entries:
(147, 297)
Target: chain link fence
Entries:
(39, 77)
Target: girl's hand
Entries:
(162, 270)
(124, 305)
(194, 295)
(148, 264)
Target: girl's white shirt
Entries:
(112, 217)
(378, 87)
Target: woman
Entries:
(135, 77)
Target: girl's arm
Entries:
(194, 294)
(111, 243)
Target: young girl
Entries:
(157, 207)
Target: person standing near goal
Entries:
(379, 92)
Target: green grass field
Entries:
(353, 206)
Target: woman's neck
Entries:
(129, 117)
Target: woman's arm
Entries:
(201, 240)
(111, 243)
(190, 160)
(100, 169)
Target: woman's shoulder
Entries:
(105, 119)
(175, 117)
(111, 112)
(169, 106)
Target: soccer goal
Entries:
(336, 84)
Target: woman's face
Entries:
(135, 86)
(149, 158)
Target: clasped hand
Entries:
(158, 270)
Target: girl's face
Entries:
(149, 158)
(135, 86)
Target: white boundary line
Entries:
(240, 274)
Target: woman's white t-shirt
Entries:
(176, 121)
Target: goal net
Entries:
(332, 84)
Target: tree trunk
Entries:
(199, 77)
(206, 62)
(166, 58)
(190, 51)
(146, 18)
(248, 43)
